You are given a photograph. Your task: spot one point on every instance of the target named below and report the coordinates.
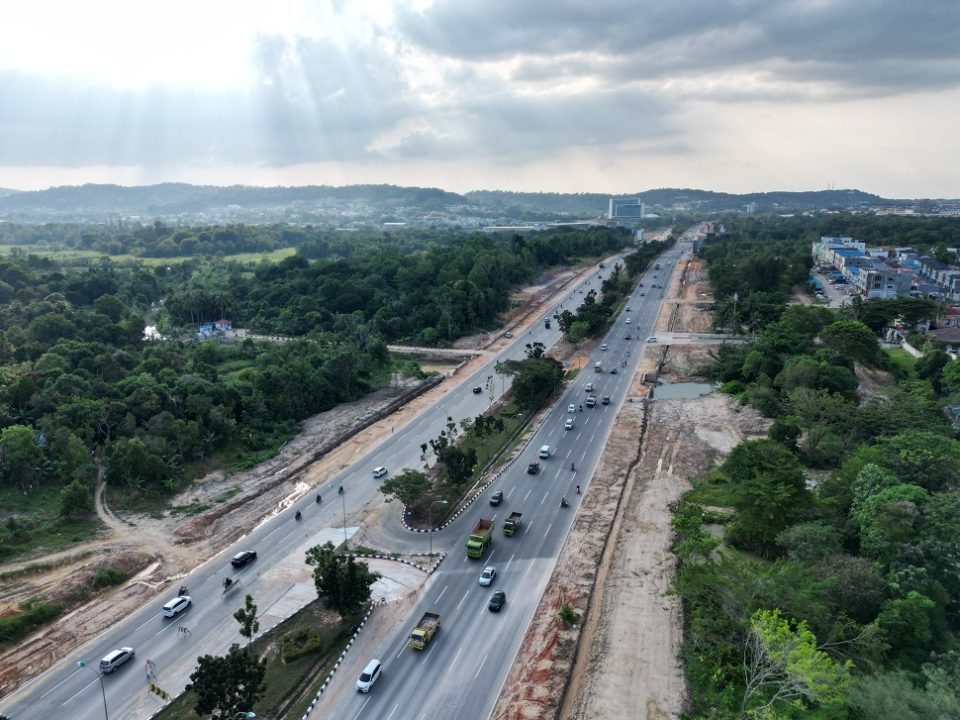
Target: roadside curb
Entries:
(356, 632)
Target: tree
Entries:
(851, 339)
(227, 685)
(247, 617)
(693, 542)
(888, 519)
(810, 541)
(408, 487)
(20, 456)
(76, 500)
(342, 583)
(782, 665)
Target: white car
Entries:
(628, 321)
(651, 339)
(176, 606)
(379, 472)
(571, 408)
(487, 576)
(568, 425)
(603, 347)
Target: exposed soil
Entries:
(158, 550)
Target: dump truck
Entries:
(598, 367)
(512, 523)
(425, 630)
(479, 538)
(546, 323)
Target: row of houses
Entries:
(885, 273)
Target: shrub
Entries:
(298, 643)
(107, 576)
(31, 616)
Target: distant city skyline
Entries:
(608, 97)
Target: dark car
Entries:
(629, 336)
(605, 400)
(613, 371)
(477, 390)
(533, 468)
(496, 498)
(497, 601)
(242, 558)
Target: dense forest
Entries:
(82, 393)
(448, 290)
(833, 589)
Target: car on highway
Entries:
(533, 468)
(605, 400)
(628, 337)
(628, 321)
(508, 335)
(613, 371)
(477, 390)
(590, 401)
(115, 658)
(568, 425)
(371, 673)
(487, 576)
(176, 606)
(496, 498)
(497, 601)
(379, 472)
(588, 387)
(243, 557)
(571, 408)
(628, 309)
(651, 339)
(643, 294)
(603, 347)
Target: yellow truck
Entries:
(425, 630)
(479, 538)
(512, 523)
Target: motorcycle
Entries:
(572, 468)
(298, 515)
(183, 591)
(318, 499)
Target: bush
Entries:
(568, 616)
(299, 643)
(108, 576)
(31, 616)
(732, 387)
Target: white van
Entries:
(544, 452)
(115, 658)
(178, 604)
(370, 674)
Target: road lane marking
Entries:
(548, 529)
(510, 491)
(453, 664)
(510, 561)
(361, 708)
(527, 526)
(544, 498)
(462, 599)
(441, 593)
(393, 711)
(147, 621)
(481, 667)
(427, 653)
(527, 495)
(69, 699)
(59, 684)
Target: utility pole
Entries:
(82, 664)
(343, 501)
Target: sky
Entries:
(611, 96)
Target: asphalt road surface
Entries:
(460, 674)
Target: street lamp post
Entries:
(430, 520)
(343, 501)
(83, 664)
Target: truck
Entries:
(479, 538)
(598, 366)
(425, 630)
(546, 323)
(512, 523)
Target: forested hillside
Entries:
(833, 588)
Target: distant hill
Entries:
(357, 204)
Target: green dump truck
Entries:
(479, 538)
(425, 630)
(512, 523)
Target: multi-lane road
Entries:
(460, 674)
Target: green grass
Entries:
(32, 615)
(299, 678)
(711, 490)
(67, 255)
(32, 523)
(904, 362)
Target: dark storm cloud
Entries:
(850, 44)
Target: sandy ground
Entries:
(158, 551)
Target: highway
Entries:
(474, 646)
(460, 674)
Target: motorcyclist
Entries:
(227, 582)
(319, 499)
(183, 590)
(298, 515)
(581, 408)
(572, 467)
(578, 489)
